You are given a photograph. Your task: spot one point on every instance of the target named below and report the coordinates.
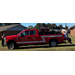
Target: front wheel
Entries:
(11, 45)
(53, 43)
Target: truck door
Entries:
(24, 38)
(33, 38)
(28, 37)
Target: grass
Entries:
(60, 47)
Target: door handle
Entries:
(28, 37)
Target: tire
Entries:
(11, 45)
(53, 43)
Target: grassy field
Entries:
(60, 47)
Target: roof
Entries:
(3, 28)
(71, 27)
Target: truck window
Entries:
(25, 33)
(32, 32)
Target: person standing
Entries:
(3, 39)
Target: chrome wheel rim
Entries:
(53, 43)
(11, 46)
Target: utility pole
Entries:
(65, 25)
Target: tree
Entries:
(66, 27)
(43, 25)
(60, 26)
(30, 26)
(48, 25)
(38, 25)
(53, 26)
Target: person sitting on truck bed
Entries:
(52, 32)
(44, 31)
(66, 37)
(47, 30)
(41, 31)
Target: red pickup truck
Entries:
(32, 36)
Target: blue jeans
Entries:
(69, 39)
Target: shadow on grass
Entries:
(66, 45)
(45, 46)
(30, 47)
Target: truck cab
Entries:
(29, 36)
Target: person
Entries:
(44, 29)
(47, 29)
(66, 37)
(53, 32)
(41, 31)
(3, 39)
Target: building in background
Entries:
(11, 29)
(72, 30)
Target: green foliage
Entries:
(51, 26)
(30, 27)
(43, 24)
(48, 25)
(66, 27)
(60, 26)
(38, 25)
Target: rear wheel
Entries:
(53, 43)
(11, 45)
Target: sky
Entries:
(33, 24)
